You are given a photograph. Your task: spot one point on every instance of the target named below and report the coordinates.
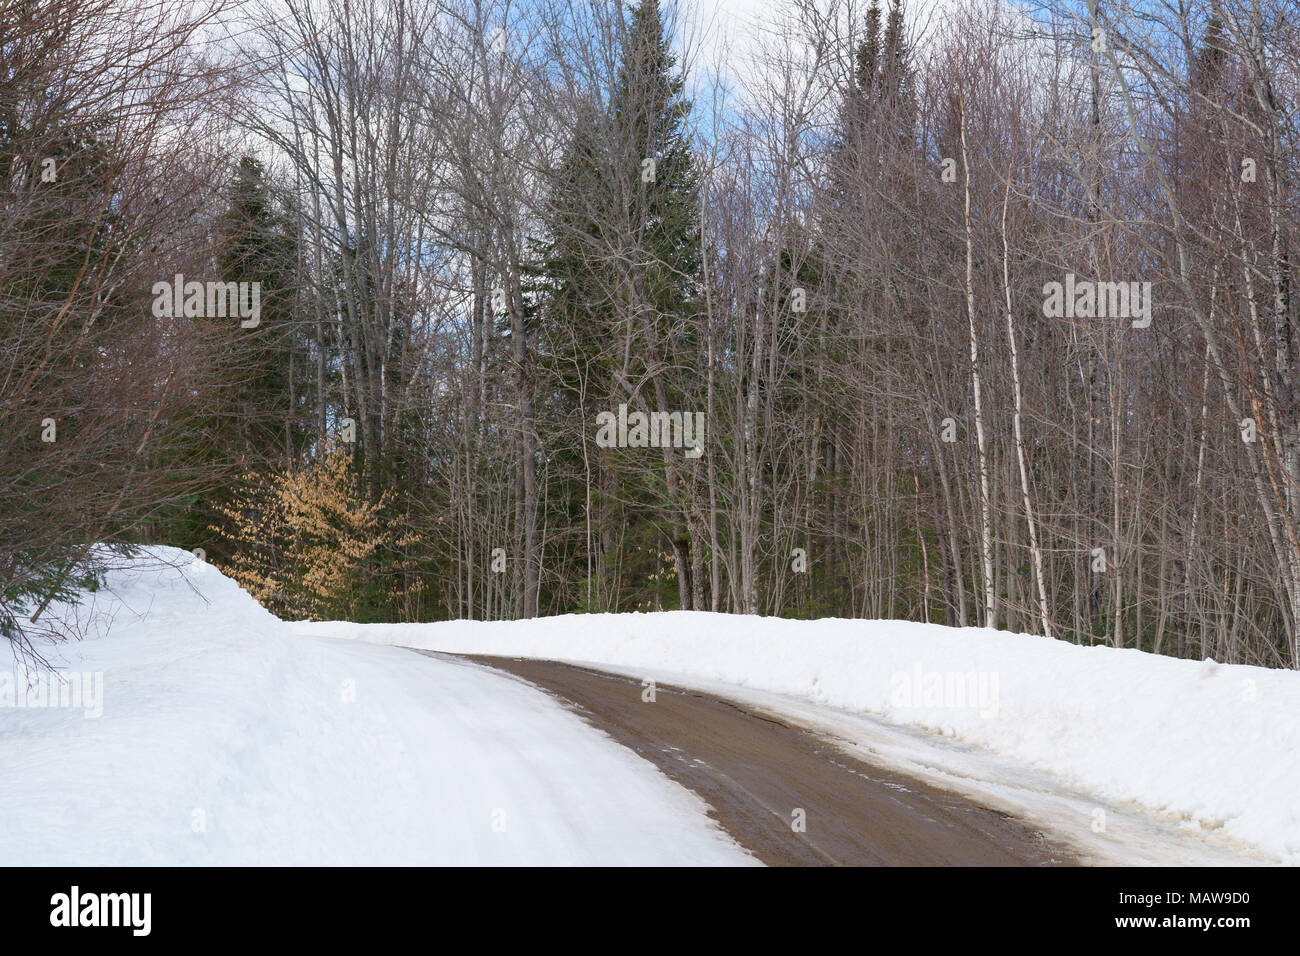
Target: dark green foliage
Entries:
(252, 418)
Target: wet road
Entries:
(784, 794)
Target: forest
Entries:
(975, 313)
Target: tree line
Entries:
(987, 316)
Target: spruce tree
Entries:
(257, 245)
(251, 419)
(650, 112)
(622, 264)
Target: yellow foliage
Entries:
(301, 539)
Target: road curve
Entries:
(757, 774)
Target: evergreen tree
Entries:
(251, 420)
(257, 245)
(873, 140)
(650, 112)
(57, 220)
(622, 263)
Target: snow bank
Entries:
(222, 737)
(1217, 745)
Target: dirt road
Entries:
(762, 778)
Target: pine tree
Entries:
(251, 418)
(257, 245)
(52, 228)
(875, 128)
(622, 264)
(650, 112)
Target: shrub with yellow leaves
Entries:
(304, 542)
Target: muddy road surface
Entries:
(786, 795)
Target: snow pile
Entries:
(225, 738)
(1215, 744)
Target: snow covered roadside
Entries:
(225, 738)
(1216, 745)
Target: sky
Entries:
(730, 31)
